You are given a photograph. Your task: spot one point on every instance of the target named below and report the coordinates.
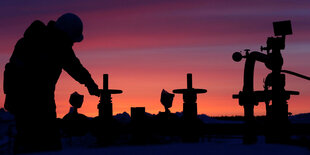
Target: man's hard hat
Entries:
(72, 25)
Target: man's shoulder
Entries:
(36, 28)
(58, 35)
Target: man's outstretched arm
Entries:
(75, 69)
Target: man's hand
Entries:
(93, 89)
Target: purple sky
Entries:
(148, 45)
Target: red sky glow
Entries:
(149, 45)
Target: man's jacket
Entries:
(31, 75)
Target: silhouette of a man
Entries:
(31, 75)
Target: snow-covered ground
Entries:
(209, 148)
(211, 145)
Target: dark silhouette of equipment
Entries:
(137, 114)
(105, 127)
(296, 74)
(189, 98)
(273, 60)
(74, 123)
(274, 84)
(76, 100)
(105, 103)
(166, 100)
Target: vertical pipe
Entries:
(249, 69)
(105, 81)
(189, 81)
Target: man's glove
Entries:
(93, 89)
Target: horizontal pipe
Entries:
(296, 74)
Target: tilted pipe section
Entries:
(296, 74)
(247, 97)
(248, 78)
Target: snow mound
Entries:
(300, 118)
(5, 116)
(208, 120)
(123, 118)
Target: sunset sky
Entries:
(149, 45)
